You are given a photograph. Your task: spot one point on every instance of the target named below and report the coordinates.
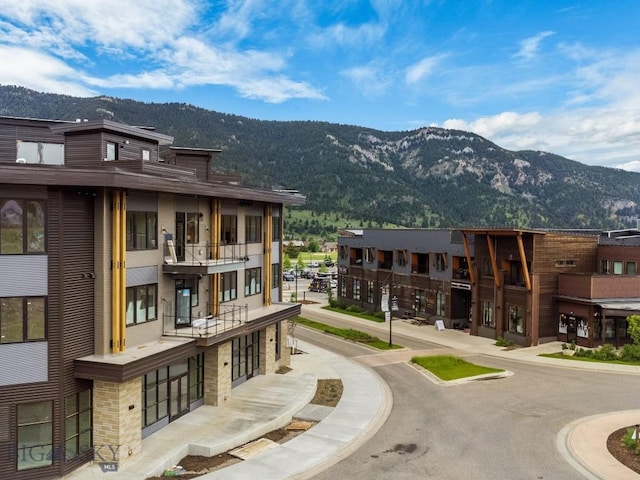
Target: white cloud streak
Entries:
(529, 46)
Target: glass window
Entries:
(369, 254)
(229, 229)
(343, 286)
(228, 286)
(631, 268)
(401, 257)
(440, 304)
(253, 229)
(193, 227)
(617, 268)
(112, 151)
(141, 304)
(155, 396)
(196, 377)
(356, 289)
(343, 251)
(441, 262)
(252, 281)
(605, 266)
(488, 320)
(276, 229)
(34, 435)
(22, 319)
(142, 230)
(516, 319)
(78, 424)
(275, 275)
(20, 233)
(146, 154)
(41, 153)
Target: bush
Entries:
(502, 342)
(354, 309)
(606, 352)
(584, 352)
(379, 315)
(333, 303)
(629, 442)
(630, 353)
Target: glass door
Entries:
(180, 234)
(183, 307)
(178, 396)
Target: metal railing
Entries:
(230, 317)
(205, 253)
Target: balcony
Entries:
(203, 259)
(233, 320)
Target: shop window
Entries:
(356, 289)
(440, 304)
(488, 319)
(196, 377)
(516, 319)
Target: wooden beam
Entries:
(523, 260)
(494, 263)
(467, 253)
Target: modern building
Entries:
(423, 272)
(136, 284)
(525, 286)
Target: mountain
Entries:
(355, 176)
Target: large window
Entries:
(193, 228)
(112, 151)
(196, 377)
(77, 424)
(516, 319)
(245, 355)
(22, 319)
(41, 153)
(253, 229)
(228, 286)
(617, 268)
(155, 396)
(488, 319)
(142, 304)
(34, 435)
(22, 226)
(142, 230)
(229, 229)
(630, 268)
(276, 230)
(252, 281)
(440, 304)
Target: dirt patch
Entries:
(328, 393)
(621, 453)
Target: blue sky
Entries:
(553, 75)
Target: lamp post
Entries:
(296, 274)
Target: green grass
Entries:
(448, 367)
(364, 316)
(348, 334)
(586, 359)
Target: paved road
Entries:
(495, 429)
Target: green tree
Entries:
(300, 263)
(286, 263)
(634, 328)
(313, 245)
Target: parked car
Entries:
(313, 264)
(288, 276)
(319, 284)
(329, 263)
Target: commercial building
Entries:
(136, 284)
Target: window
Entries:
(276, 229)
(193, 284)
(77, 424)
(155, 396)
(369, 286)
(276, 274)
(440, 304)
(142, 230)
(369, 254)
(142, 304)
(440, 262)
(605, 267)
(229, 229)
(253, 229)
(228, 286)
(22, 319)
(193, 229)
(343, 251)
(196, 377)
(34, 435)
(343, 286)
(146, 154)
(245, 355)
(112, 151)
(356, 289)
(631, 268)
(22, 226)
(617, 268)
(252, 281)
(401, 257)
(277, 340)
(488, 319)
(516, 319)
(487, 267)
(41, 153)
(566, 263)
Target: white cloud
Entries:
(371, 80)
(529, 46)
(422, 69)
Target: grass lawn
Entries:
(586, 359)
(448, 367)
(348, 334)
(354, 314)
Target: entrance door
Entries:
(180, 236)
(183, 307)
(178, 396)
(571, 329)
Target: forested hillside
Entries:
(354, 176)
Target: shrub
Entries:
(629, 441)
(379, 315)
(584, 352)
(502, 342)
(333, 303)
(630, 353)
(354, 309)
(606, 352)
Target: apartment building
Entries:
(424, 272)
(136, 284)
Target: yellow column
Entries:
(115, 273)
(268, 242)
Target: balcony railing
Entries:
(203, 258)
(230, 317)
